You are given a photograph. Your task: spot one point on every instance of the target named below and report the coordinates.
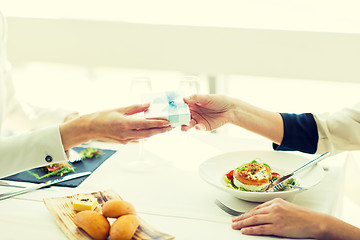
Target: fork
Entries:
(227, 209)
(278, 184)
(282, 186)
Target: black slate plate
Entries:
(86, 165)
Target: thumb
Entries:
(200, 127)
(133, 109)
(198, 99)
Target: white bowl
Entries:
(214, 169)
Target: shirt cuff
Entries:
(300, 133)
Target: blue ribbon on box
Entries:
(169, 105)
(175, 104)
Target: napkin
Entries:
(167, 105)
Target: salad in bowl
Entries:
(238, 174)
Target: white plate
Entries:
(214, 169)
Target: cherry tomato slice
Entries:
(230, 175)
(274, 174)
(57, 166)
(53, 167)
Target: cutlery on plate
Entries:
(280, 188)
(227, 209)
(278, 184)
(297, 187)
(41, 185)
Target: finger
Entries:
(252, 220)
(138, 123)
(264, 205)
(118, 140)
(137, 108)
(197, 118)
(190, 99)
(202, 123)
(113, 139)
(106, 139)
(186, 128)
(260, 209)
(265, 229)
(146, 133)
(198, 99)
(126, 141)
(200, 127)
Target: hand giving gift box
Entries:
(168, 105)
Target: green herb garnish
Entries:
(227, 180)
(34, 174)
(59, 172)
(241, 169)
(291, 181)
(229, 183)
(267, 165)
(90, 153)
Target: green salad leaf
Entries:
(90, 153)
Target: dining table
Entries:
(169, 195)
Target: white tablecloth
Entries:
(172, 197)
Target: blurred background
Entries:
(282, 55)
(294, 56)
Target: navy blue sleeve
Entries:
(300, 133)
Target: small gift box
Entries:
(168, 105)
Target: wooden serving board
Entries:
(62, 210)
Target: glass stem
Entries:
(141, 149)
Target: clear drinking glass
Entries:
(189, 85)
(139, 87)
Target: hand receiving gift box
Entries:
(168, 105)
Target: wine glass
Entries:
(189, 85)
(139, 87)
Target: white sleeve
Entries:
(339, 131)
(31, 149)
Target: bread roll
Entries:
(93, 223)
(117, 208)
(124, 227)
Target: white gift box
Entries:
(168, 105)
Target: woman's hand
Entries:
(281, 218)
(118, 125)
(208, 112)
